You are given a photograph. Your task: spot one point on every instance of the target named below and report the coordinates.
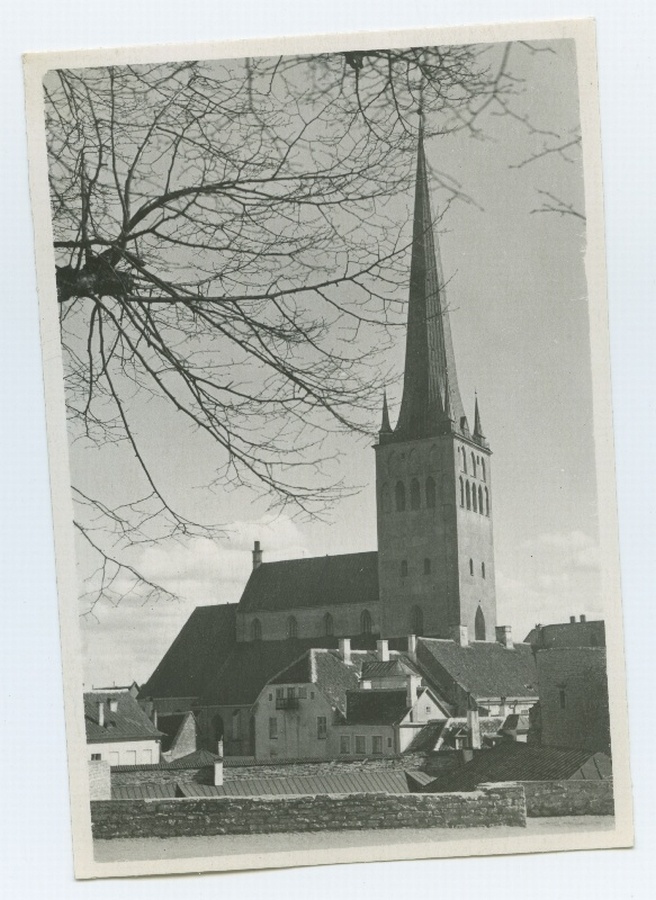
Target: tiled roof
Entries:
(483, 668)
(521, 762)
(488, 726)
(145, 792)
(318, 581)
(426, 739)
(392, 667)
(199, 759)
(379, 781)
(200, 648)
(386, 707)
(515, 722)
(325, 669)
(128, 723)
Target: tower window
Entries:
(483, 569)
(473, 460)
(292, 627)
(415, 499)
(365, 622)
(328, 625)
(474, 502)
(480, 499)
(399, 496)
(430, 493)
(385, 499)
(562, 698)
(464, 460)
(483, 470)
(471, 566)
(416, 621)
(462, 492)
(468, 494)
(479, 625)
(256, 630)
(487, 503)
(404, 568)
(427, 566)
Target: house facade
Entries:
(118, 731)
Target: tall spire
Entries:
(385, 427)
(478, 431)
(430, 370)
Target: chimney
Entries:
(218, 766)
(345, 650)
(113, 705)
(413, 682)
(153, 717)
(504, 636)
(257, 555)
(572, 620)
(383, 650)
(412, 647)
(474, 727)
(101, 713)
(459, 635)
(583, 618)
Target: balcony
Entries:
(286, 702)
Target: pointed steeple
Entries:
(385, 427)
(478, 431)
(430, 384)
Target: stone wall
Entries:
(492, 805)
(577, 797)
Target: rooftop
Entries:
(128, 723)
(376, 707)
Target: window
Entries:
(468, 495)
(474, 501)
(483, 470)
(385, 499)
(270, 697)
(360, 745)
(480, 499)
(562, 698)
(322, 728)
(328, 625)
(430, 493)
(273, 728)
(471, 566)
(399, 496)
(479, 625)
(302, 693)
(389, 742)
(365, 622)
(462, 492)
(280, 693)
(113, 757)
(236, 725)
(311, 695)
(473, 460)
(483, 569)
(415, 498)
(292, 627)
(404, 568)
(130, 757)
(291, 693)
(464, 460)
(377, 745)
(96, 756)
(345, 744)
(416, 621)
(427, 566)
(487, 503)
(256, 630)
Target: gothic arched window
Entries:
(471, 566)
(474, 500)
(483, 569)
(480, 499)
(483, 470)
(256, 630)
(487, 503)
(416, 621)
(462, 492)
(479, 625)
(365, 622)
(399, 496)
(468, 495)
(430, 492)
(292, 627)
(415, 498)
(473, 460)
(328, 625)
(385, 499)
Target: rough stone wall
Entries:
(204, 775)
(99, 779)
(497, 805)
(569, 798)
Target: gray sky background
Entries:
(517, 294)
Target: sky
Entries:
(518, 307)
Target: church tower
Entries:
(434, 491)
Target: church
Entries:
(431, 580)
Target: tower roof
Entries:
(431, 402)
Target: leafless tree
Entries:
(228, 241)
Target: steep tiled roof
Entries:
(128, 723)
(390, 668)
(386, 707)
(483, 668)
(318, 581)
(200, 648)
(519, 762)
(325, 669)
(426, 739)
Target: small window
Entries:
(404, 568)
(416, 621)
(462, 492)
(360, 745)
(377, 745)
(273, 728)
(464, 460)
(399, 496)
(427, 566)
(96, 756)
(311, 695)
(483, 470)
(292, 627)
(562, 698)
(365, 622)
(280, 693)
(322, 728)
(291, 693)
(480, 499)
(430, 493)
(256, 630)
(473, 462)
(474, 500)
(468, 495)
(487, 503)
(270, 697)
(328, 625)
(471, 566)
(345, 745)
(483, 569)
(385, 499)
(302, 693)
(389, 741)
(236, 725)
(415, 498)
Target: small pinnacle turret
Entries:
(385, 427)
